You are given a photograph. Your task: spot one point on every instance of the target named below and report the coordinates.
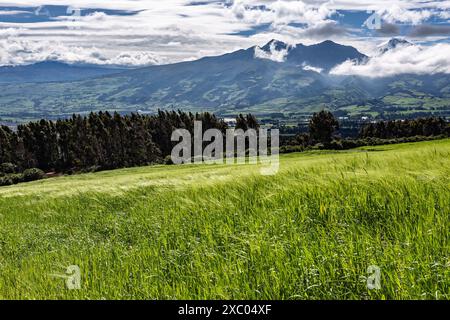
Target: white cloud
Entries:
(19, 52)
(297, 11)
(273, 54)
(311, 68)
(404, 60)
(395, 13)
(12, 12)
(238, 9)
(444, 14)
(280, 12)
(173, 30)
(9, 32)
(134, 59)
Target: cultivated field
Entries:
(221, 232)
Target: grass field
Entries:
(218, 232)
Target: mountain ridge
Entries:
(231, 83)
(53, 71)
(393, 44)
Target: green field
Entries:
(226, 232)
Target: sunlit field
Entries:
(226, 232)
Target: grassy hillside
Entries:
(195, 232)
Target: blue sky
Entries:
(135, 33)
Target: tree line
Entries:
(425, 127)
(100, 140)
(324, 133)
(105, 141)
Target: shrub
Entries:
(33, 174)
(291, 149)
(318, 146)
(336, 145)
(90, 169)
(6, 181)
(168, 160)
(351, 144)
(16, 178)
(8, 167)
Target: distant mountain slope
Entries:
(325, 55)
(393, 44)
(52, 71)
(274, 78)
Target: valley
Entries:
(237, 82)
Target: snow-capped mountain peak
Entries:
(393, 44)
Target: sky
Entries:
(137, 33)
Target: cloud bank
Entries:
(311, 68)
(395, 13)
(430, 30)
(170, 31)
(273, 54)
(404, 60)
(18, 52)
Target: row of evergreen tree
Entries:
(101, 140)
(324, 133)
(425, 127)
(108, 141)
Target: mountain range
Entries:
(53, 71)
(276, 78)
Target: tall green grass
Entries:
(220, 232)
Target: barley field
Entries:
(226, 232)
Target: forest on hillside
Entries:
(105, 141)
